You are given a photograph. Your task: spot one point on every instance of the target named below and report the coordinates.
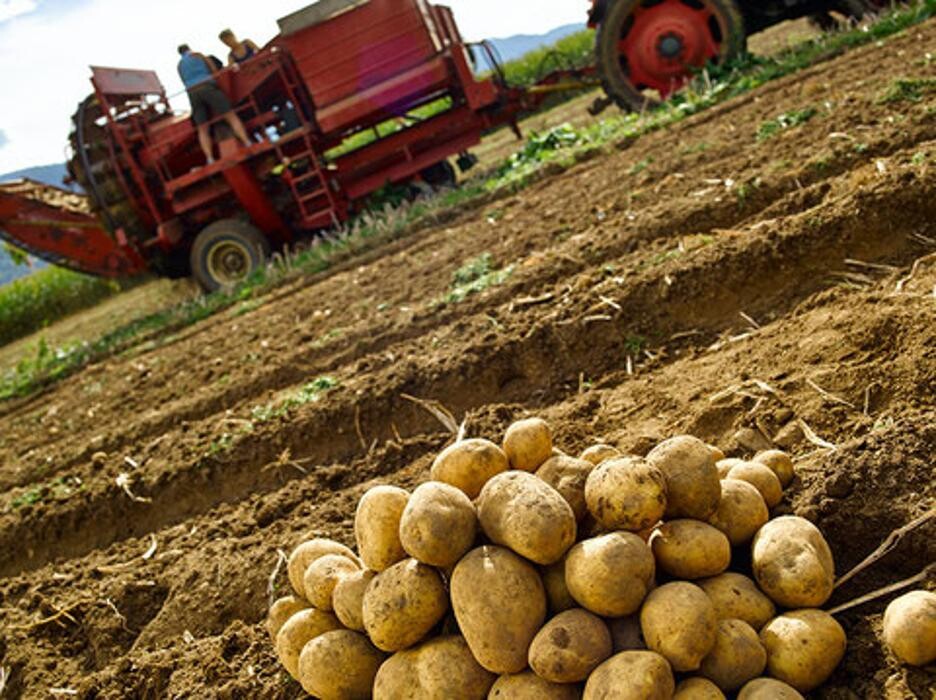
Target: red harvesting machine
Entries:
(350, 96)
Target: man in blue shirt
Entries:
(208, 100)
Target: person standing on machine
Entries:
(240, 50)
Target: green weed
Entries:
(787, 120)
(472, 278)
(907, 90)
(308, 393)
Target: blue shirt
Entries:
(194, 71)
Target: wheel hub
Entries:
(229, 262)
(667, 39)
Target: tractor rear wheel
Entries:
(656, 45)
(227, 253)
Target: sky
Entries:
(46, 47)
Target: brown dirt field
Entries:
(699, 280)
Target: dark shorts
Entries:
(208, 102)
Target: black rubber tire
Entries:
(248, 246)
(442, 174)
(613, 79)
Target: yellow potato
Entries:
(910, 628)
(299, 630)
(803, 647)
(306, 553)
(768, 689)
(339, 665)
(323, 575)
(568, 475)
(610, 575)
(761, 477)
(570, 646)
(596, 454)
(692, 488)
(626, 494)
(520, 511)
(690, 549)
(717, 454)
(282, 610)
(500, 605)
(348, 598)
(557, 593)
(528, 443)
(631, 675)
(678, 621)
(377, 526)
(726, 465)
(439, 524)
(780, 463)
(529, 686)
(402, 605)
(737, 657)
(793, 563)
(735, 596)
(698, 689)
(442, 667)
(467, 465)
(626, 634)
(741, 511)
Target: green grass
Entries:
(473, 278)
(31, 303)
(785, 121)
(908, 90)
(571, 52)
(562, 149)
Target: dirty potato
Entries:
(520, 511)
(323, 575)
(692, 488)
(282, 610)
(678, 621)
(568, 476)
(698, 689)
(467, 465)
(741, 511)
(596, 454)
(631, 675)
(610, 575)
(377, 526)
(439, 524)
(500, 605)
(442, 667)
(626, 493)
(309, 551)
(348, 598)
(339, 665)
(793, 563)
(735, 596)
(761, 477)
(910, 628)
(737, 657)
(528, 443)
(690, 549)
(299, 630)
(803, 647)
(780, 463)
(768, 689)
(529, 686)
(726, 465)
(557, 592)
(570, 646)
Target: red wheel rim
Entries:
(663, 41)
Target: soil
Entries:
(753, 292)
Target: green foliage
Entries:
(308, 393)
(787, 120)
(571, 52)
(474, 277)
(16, 255)
(908, 90)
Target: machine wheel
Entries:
(657, 44)
(442, 174)
(226, 253)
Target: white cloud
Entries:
(44, 56)
(3, 138)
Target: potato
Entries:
(610, 575)
(402, 604)
(726, 465)
(439, 524)
(570, 646)
(568, 476)
(735, 596)
(348, 598)
(698, 689)
(519, 511)
(760, 477)
(626, 494)
(282, 610)
(741, 511)
(298, 631)
(528, 443)
(339, 665)
(626, 634)
(803, 647)
(689, 549)
(377, 526)
(692, 488)
(793, 563)
(440, 668)
(910, 628)
(780, 463)
(631, 675)
(717, 454)
(500, 605)
(529, 686)
(306, 553)
(323, 575)
(557, 593)
(467, 465)
(678, 621)
(768, 689)
(596, 454)
(737, 657)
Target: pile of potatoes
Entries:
(521, 572)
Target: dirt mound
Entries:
(750, 286)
